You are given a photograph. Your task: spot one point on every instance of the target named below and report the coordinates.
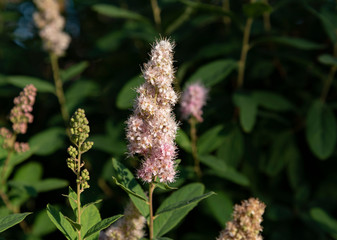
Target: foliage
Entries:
(271, 135)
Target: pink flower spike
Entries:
(192, 100)
(152, 128)
(21, 112)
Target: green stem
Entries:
(266, 19)
(193, 133)
(330, 78)
(59, 87)
(156, 13)
(226, 7)
(9, 155)
(244, 51)
(152, 186)
(79, 191)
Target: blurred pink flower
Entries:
(192, 100)
(21, 113)
(51, 24)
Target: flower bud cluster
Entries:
(79, 129)
(21, 112)
(151, 129)
(246, 223)
(51, 24)
(192, 100)
(129, 227)
(20, 116)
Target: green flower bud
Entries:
(86, 146)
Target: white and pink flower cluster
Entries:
(192, 100)
(130, 227)
(152, 128)
(51, 24)
(20, 116)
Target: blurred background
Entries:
(268, 133)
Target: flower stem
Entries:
(266, 19)
(59, 87)
(244, 51)
(79, 190)
(152, 186)
(9, 155)
(330, 78)
(193, 133)
(156, 13)
(226, 19)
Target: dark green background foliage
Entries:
(274, 138)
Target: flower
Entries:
(246, 223)
(129, 227)
(51, 23)
(192, 100)
(20, 116)
(21, 112)
(152, 128)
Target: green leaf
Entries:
(61, 223)
(272, 101)
(185, 203)
(220, 169)
(166, 221)
(115, 12)
(127, 94)
(328, 59)
(47, 142)
(129, 182)
(92, 203)
(283, 150)
(298, 43)
(128, 191)
(42, 226)
(50, 184)
(326, 222)
(75, 225)
(22, 81)
(102, 225)
(72, 197)
(329, 26)
(213, 73)
(164, 186)
(221, 207)
(73, 71)
(256, 9)
(321, 130)
(248, 110)
(23, 188)
(24, 173)
(232, 147)
(210, 140)
(111, 41)
(11, 220)
(90, 217)
(79, 91)
(183, 141)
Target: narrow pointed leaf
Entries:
(321, 130)
(128, 182)
(168, 220)
(11, 220)
(185, 203)
(61, 223)
(102, 225)
(128, 190)
(75, 225)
